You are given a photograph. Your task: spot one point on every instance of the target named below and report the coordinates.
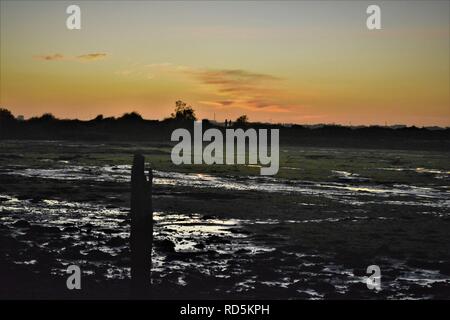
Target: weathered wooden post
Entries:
(141, 236)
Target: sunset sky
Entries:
(290, 62)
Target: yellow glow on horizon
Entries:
(286, 70)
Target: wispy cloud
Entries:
(242, 89)
(81, 58)
(50, 57)
(226, 88)
(91, 56)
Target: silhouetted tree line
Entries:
(132, 127)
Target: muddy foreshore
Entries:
(220, 236)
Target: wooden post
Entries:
(141, 236)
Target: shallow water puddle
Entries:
(92, 233)
(56, 233)
(349, 192)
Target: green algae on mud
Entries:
(306, 163)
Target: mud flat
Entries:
(220, 232)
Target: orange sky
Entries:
(290, 62)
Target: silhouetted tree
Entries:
(183, 112)
(242, 120)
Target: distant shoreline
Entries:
(132, 127)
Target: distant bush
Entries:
(130, 117)
(46, 117)
(98, 118)
(6, 116)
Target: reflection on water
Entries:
(187, 248)
(348, 192)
